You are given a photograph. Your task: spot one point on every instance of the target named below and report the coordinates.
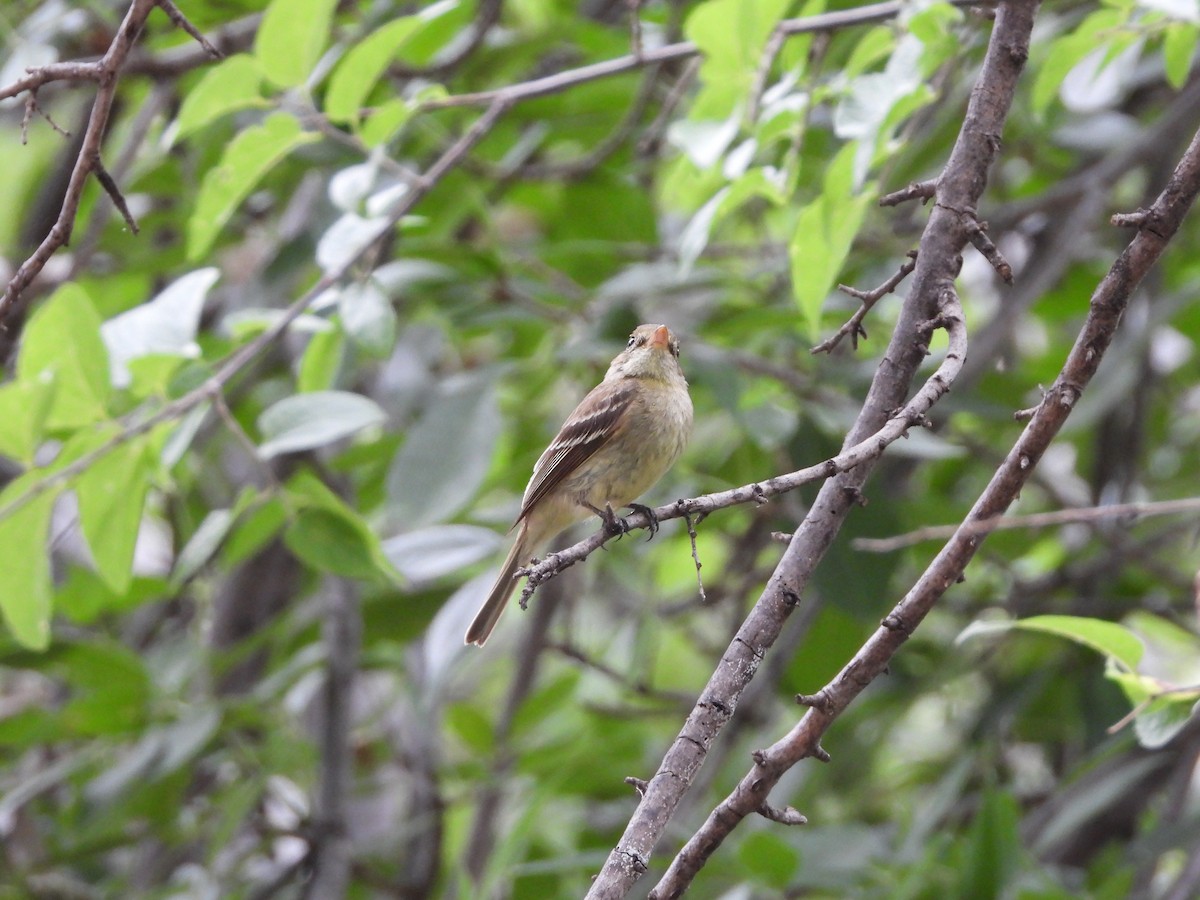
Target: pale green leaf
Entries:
(446, 454)
(202, 545)
(246, 160)
(305, 421)
(359, 70)
(368, 318)
(1179, 48)
(230, 85)
(1114, 641)
(63, 338)
(112, 492)
(292, 37)
(321, 361)
(25, 586)
(24, 406)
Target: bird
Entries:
(620, 440)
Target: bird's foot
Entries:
(652, 527)
(613, 524)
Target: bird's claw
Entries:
(651, 518)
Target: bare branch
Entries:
(1089, 515)
(863, 454)
(922, 190)
(1107, 306)
(853, 327)
(962, 182)
(561, 81)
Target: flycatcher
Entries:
(618, 442)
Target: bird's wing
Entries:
(598, 418)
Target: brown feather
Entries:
(596, 421)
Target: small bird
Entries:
(621, 438)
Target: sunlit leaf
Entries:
(63, 339)
(292, 37)
(249, 157)
(228, 86)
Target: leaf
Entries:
(230, 85)
(347, 238)
(825, 230)
(359, 70)
(429, 553)
(291, 39)
(368, 318)
(25, 586)
(1112, 640)
(321, 361)
(305, 421)
(731, 35)
(1164, 718)
(330, 536)
(446, 455)
(1179, 48)
(112, 493)
(202, 545)
(165, 325)
(246, 160)
(24, 406)
(63, 338)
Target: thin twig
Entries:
(853, 327)
(561, 81)
(1090, 514)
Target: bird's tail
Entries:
(489, 614)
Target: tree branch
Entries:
(104, 72)
(1108, 303)
(138, 424)
(961, 184)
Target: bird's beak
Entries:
(661, 337)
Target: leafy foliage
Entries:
(173, 539)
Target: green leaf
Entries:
(63, 338)
(1063, 54)
(1179, 48)
(769, 859)
(305, 421)
(330, 536)
(202, 545)
(112, 493)
(321, 361)
(246, 160)
(25, 586)
(825, 230)
(1113, 640)
(385, 120)
(292, 37)
(446, 455)
(230, 85)
(731, 35)
(994, 849)
(24, 406)
(359, 70)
